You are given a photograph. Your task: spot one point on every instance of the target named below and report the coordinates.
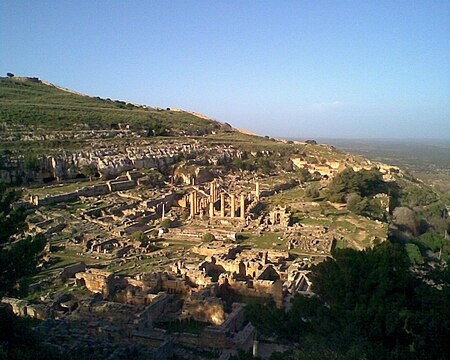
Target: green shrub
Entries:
(208, 237)
(141, 237)
(414, 254)
(167, 223)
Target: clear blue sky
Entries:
(350, 69)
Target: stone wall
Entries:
(229, 335)
(257, 288)
(23, 308)
(88, 191)
(155, 310)
(121, 185)
(71, 270)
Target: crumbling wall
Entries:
(97, 281)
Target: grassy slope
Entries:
(27, 106)
(39, 106)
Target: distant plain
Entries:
(428, 159)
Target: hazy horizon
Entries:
(386, 139)
(321, 69)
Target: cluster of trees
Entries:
(313, 191)
(422, 222)
(303, 175)
(371, 208)
(19, 256)
(418, 196)
(19, 342)
(252, 164)
(368, 305)
(357, 190)
(31, 161)
(364, 183)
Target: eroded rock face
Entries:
(111, 163)
(110, 160)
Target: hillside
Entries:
(28, 104)
(139, 207)
(50, 135)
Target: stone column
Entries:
(257, 190)
(211, 191)
(255, 348)
(222, 205)
(211, 209)
(233, 206)
(242, 206)
(195, 202)
(192, 203)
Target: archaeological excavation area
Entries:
(159, 251)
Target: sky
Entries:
(304, 69)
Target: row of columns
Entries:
(195, 208)
(214, 196)
(232, 206)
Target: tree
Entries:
(156, 128)
(140, 237)
(367, 305)
(19, 342)
(19, 255)
(167, 223)
(373, 298)
(312, 191)
(364, 183)
(31, 162)
(10, 75)
(414, 254)
(89, 171)
(366, 207)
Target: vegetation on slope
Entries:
(35, 105)
(18, 259)
(18, 255)
(368, 305)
